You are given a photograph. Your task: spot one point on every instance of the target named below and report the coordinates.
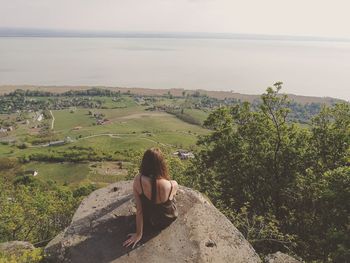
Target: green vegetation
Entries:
(25, 256)
(77, 127)
(197, 114)
(61, 173)
(32, 209)
(285, 187)
(193, 116)
(65, 120)
(277, 169)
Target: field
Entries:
(130, 126)
(125, 126)
(73, 174)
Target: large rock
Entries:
(280, 257)
(101, 224)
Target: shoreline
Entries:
(173, 91)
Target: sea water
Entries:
(316, 68)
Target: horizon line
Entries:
(83, 33)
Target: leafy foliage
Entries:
(284, 186)
(32, 210)
(25, 256)
(29, 213)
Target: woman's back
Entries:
(162, 212)
(166, 189)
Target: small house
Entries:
(40, 117)
(184, 155)
(31, 172)
(140, 100)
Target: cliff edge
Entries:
(101, 224)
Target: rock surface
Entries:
(280, 257)
(101, 224)
(15, 247)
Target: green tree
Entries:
(268, 175)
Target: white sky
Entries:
(328, 18)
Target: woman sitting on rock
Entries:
(154, 195)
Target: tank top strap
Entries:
(141, 183)
(171, 189)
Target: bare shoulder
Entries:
(165, 183)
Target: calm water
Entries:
(246, 66)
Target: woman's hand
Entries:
(133, 238)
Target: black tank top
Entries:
(158, 216)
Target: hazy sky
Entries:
(288, 17)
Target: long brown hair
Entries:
(153, 165)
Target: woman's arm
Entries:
(134, 238)
(139, 214)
